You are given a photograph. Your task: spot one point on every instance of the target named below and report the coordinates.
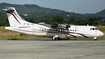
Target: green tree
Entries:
(57, 19)
(3, 21)
(102, 22)
(93, 21)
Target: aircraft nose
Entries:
(101, 34)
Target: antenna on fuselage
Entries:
(87, 24)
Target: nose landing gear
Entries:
(95, 38)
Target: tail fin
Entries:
(14, 18)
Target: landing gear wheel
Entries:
(54, 39)
(58, 38)
(95, 38)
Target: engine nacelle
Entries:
(56, 26)
(63, 26)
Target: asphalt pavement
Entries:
(65, 49)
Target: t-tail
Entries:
(14, 18)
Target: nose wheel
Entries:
(95, 38)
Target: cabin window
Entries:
(70, 30)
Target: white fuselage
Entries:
(73, 31)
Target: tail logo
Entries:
(24, 23)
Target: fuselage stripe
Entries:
(79, 34)
(72, 35)
(68, 33)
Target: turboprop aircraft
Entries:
(56, 31)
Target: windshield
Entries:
(93, 29)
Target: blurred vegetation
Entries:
(35, 11)
(59, 19)
(37, 14)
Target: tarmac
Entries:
(32, 49)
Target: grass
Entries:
(11, 35)
(101, 28)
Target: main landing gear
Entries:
(56, 38)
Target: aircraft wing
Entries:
(56, 26)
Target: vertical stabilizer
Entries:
(14, 18)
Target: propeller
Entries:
(68, 26)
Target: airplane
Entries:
(55, 31)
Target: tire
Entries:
(54, 39)
(58, 38)
(95, 39)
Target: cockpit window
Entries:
(93, 29)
